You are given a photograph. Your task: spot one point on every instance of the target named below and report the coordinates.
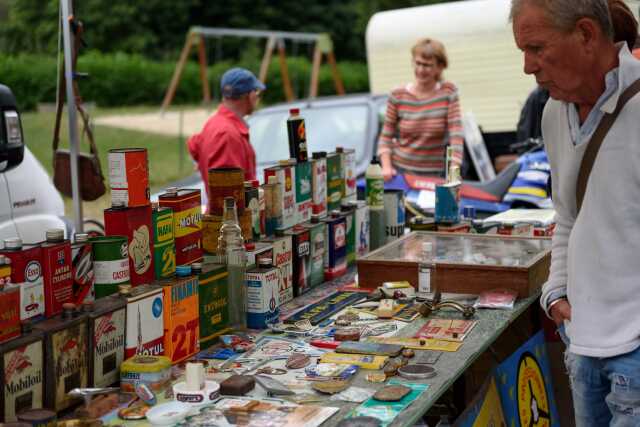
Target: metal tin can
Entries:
(256, 251)
(447, 203)
(145, 324)
(107, 322)
(5, 271)
(129, 176)
(349, 213)
(262, 296)
(335, 258)
(58, 279)
(319, 184)
(213, 302)
(225, 182)
(154, 371)
(283, 260)
(22, 375)
(348, 159)
(26, 269)
(38, 418)
(301, 251)
(394, 215)
(303, 192)
(187, 223)
(273, 206)
(318, 246)
(110, 264)
(252, 202)
(82, 268)
(181, 317)
(9, 313)
(296, 131)
(135, 223)
(66, 356)
(164, 247)
(285, 178)
(362, 224)
(210, 232)
(335, 181)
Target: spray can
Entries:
(82, 268)
(297, 136)
(26, 269)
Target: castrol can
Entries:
(164, 244)
(82, 269)
(58, 277)
(135, 223)
(187, 223)
(26, 270)
(225, 182)
(129, 177)
(283, 260)
(110, 264)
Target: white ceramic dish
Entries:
(168, 414)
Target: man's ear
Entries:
(588, 33)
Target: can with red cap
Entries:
(297, 136)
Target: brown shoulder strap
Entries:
(596, 141)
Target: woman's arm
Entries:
(387, 139)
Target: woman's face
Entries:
(426, 70)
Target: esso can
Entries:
(129, 176)
(26, 270)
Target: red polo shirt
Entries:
(223, 142)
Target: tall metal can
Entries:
(26, 269)
(164, 247)
(319, 184)
(349, 213)
(252, 201)
(297, 133)
(110, 264)
(129, 176)
(362, 226)
(82, 268)
(145, 324)
(283, 260)
(9, 313)
(273, 205)
(335, 258)
(22, 373)
(318, 246)
(303, 192)
(58, 279)
(301, 251)
(262, 295)
(335, 181)
(225, 182)
(258, 250)
(285, 178)
(394, 214)
(348, 159)
(187, 223)
(213, 302)
(181, 315)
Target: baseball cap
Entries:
(238, 81)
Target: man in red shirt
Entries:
(224, 139)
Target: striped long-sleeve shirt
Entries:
(417, 131)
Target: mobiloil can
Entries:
(262, 294)
(110, 264)
(135, 223)
(107, 322)
(319, 184)
(181, 315)
(394, 215)
(335, 181)
(66, 356)
(362, 227)
(303, 192)
(58, 280)
(22, 374)
(164, 247)
(335, 257)
(349, 213)
(187, 222)
(301, 251)
(283, 260)
(318, 246)
(213, 301)
(348, 158)
(285, 175)
(82, 268)
(145, 325)
(26, 269)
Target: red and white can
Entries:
(129, 177)
(58, 279)
(82, 267)
(26, 263)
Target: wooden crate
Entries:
(464, 263)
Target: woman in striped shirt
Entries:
(422, 118)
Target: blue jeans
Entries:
(606, 391)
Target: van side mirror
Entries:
(11, 137)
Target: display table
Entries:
(450, 365)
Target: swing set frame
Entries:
(323, 46)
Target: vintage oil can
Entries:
(66, 356)
(145, 322)
(26, 269)
(258, 250)
(225, 182)
(303, 192)
(335, 257)
(252, 201)
(135, 223)
(164, 247)
(349, 213)
(82, 269)
(285, 178)
(262, 294)
(129, 176)
(335, 181)
(273, 205)
(181, 315)
(187, 222)
(58, 280)
(362, 227)
(319, 184)
(283, 260)
(107, 322)
(22, 374)
(301, 251)
(213, 302)
(110, 264)
(348, 159)
(318, 246)
(9, 313)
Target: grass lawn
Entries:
(168, 156)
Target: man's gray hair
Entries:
(565, 13)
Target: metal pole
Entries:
(71, 107)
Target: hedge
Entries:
(122, 79)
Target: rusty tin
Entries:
(225, 182)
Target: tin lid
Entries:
(375, 160)
(13, 243)
(183, 270)
(196, 267)
(36, 415)
(294, 111)
(81, 237)
(255, 183)
(140, 363)
(335, 213)
(124, 289)
(265, 262)
(339, 149)
(54, 235)
(118, 204)
(319, 155)
(68, 310)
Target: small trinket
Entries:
(391, 393)
(273, 387)
(408, 353)
(360, 422)
(404, 361)
(297, 361)
(342, 322)
(376, 377)
(390, 369)
(331, 386)
(350, 334)
(399, 295)
(268, 370)
(135, 412)
(417, 372)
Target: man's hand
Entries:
(560, 311)
(388, 173)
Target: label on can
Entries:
(394, 214)
(187, 223)
(362, 221)
(252, 200)
(349, 171)
(145, 325)
(5, 274)
(111, 272)
(335, 181)
(286, 182)
(129, 176)
(336, 254)
(350, 236)
(69, 361)
(9, 314)
(58, 278)
(213, 300)
(375, 193)
(262, 297)
(283, 260)
(83, 275)
(108, 347)
(318, 247)
(23, 379)
(303, 192)
(164, 249)
(27, 270)
(181, 318)
(319, 186)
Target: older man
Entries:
(594, 283)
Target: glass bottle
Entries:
(232, 252)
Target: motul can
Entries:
(135, 223)
(26, 263)
(187, 223)
(145, 324)
(129, 176)
(58, 276)
(82, 265)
